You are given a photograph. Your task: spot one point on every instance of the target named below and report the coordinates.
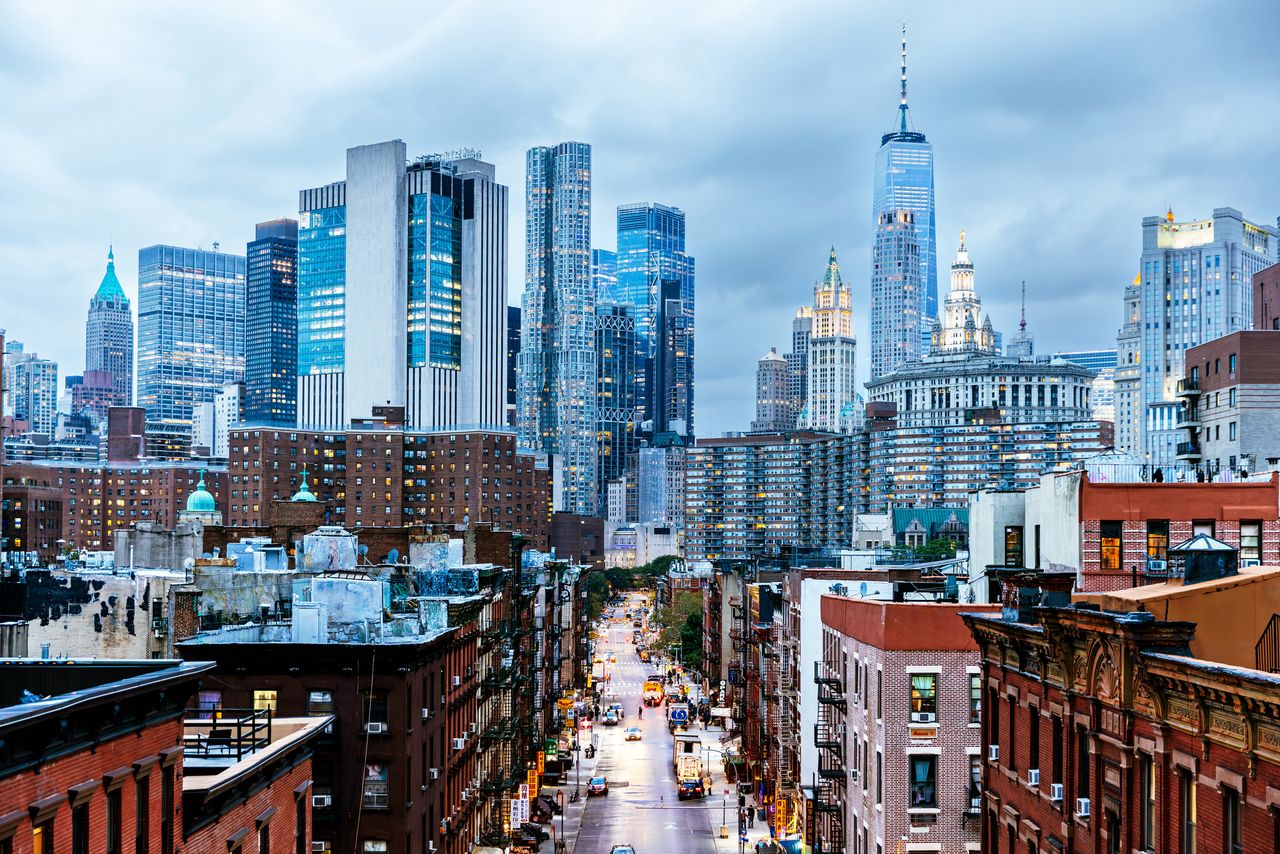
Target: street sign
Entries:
(532, 785)
(542, 762)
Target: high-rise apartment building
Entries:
(618, 355)
(774, 412)
(904, 181)
(402, 291)
(31, 389)
(896, 292)
(558, 361)
(271, 324)
(1196, 284)
(833, 387)
(1102, 396)
(513, 361)
(604, 275)
(108, 338)
(1129, 411)
(191, 315)
(651, 253)
(671, 374)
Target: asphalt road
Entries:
(641, 808)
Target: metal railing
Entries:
(1266, 653)
(225, 733)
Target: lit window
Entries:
(264, 700)
(924, 698)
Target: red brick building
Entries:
(1103, 733)
(1266, 298)
(109, 760)
(1116, 534)
(96, 500)
(380, 476)
(908, 733)
(31, 520)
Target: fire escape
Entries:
(833, 775)
(771, 694)
(788, 731)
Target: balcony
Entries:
(1189, 387)
(1188, 418)
(1189, 451)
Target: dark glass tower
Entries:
(271, 324)
(616, 348)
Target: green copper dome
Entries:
(110, 288)
(201, 501)
(304, 492)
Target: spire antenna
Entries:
(1022, 325)
(902, 107)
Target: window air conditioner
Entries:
(457, 680)
(993, 752)
(474, 726)
(1033, 777)
(319, 847)
(924, 717)
(1055, 791)
(1082, 807)
(435, 773)
(426, 714)
(321, 801)
(459, 743)
(375, 727)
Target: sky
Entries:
(1056, 128)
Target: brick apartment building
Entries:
(96, 500)
(908, 734)
(31, 520)
(1109, 729)
(1115, 534)
(112, 759)
(1231, 402)
(381, 475)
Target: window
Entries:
(1082, 762)
(879, 693)
(993, 717)
(375, 786)
(1012, 758)
(1231, 431)
(1057, 749)
(264, 839)
(167, 809)
(1147, 787)
(114, 822)
(1033, 760)
(1231, 363)
(879, 777)
(42, 838)
(975, 783)
(975, 698)
(1250, 540)
(1109, 545)
(924, 794)
(1202, 526)
(208, 701)
(1157, 539)
(264, 700)
(375, 707)
(1232, 843)
(924, 698)
(300, 826)
(1013, 545)
(80, 829)
(142, 815)
(1187, 811)
(373, 846)
(319, 702)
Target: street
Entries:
(641, 808)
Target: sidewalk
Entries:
(722, 808)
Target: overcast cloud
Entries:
(1056, 128)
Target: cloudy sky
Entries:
(1056, 128)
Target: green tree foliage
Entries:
(679, 625)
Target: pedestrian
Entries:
(751, 819)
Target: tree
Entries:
(680, 625)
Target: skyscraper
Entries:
(191, 306)
(558, 361)
(604, 275)
(895, 293)
(271, 324)
(671, 372)
(1023, 343)
(833, 387)
(963, 327)
(904, 181)
(798, 359)
(513, 361)
(651, 252)
(774, 413)
(108, 338)
(1196, 285)
(616, 395)
(402, 291)
(30, 388)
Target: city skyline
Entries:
(1067, 171)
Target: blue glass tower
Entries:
(191, 317)
(651, 252)
(271, 324)
(904, 181)
(604, 273)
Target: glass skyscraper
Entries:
(651, 251)
(191, 329)
(904, 181)
(604, 273)
(616, 384)
(271, 324)
(895, 293)
(418, 247)
(557, 407)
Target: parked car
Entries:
(633, 733)
(598, 786)
(611, 718)
(622, 849)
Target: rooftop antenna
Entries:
(902, 107)
(1022, 325)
